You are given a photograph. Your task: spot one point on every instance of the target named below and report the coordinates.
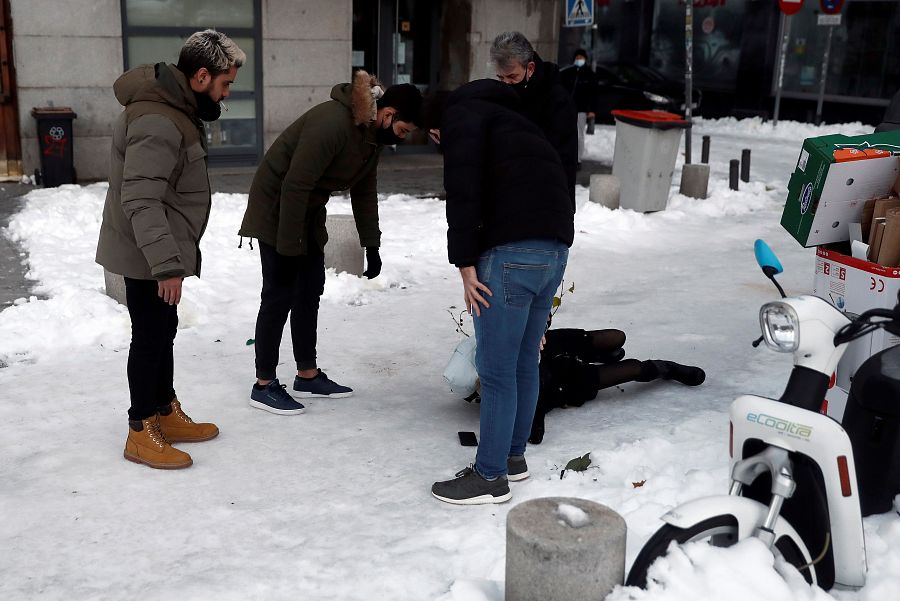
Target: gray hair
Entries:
(511, 47)
(210, 49)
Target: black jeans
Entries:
(290, 285)
(150, 361)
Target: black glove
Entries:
(373, 262)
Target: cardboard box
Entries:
(834, 177)
(854, 286)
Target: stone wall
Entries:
(68, 53)
(539, 20)
(306, 50)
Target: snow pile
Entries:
(785, 130)
(335, 504)
(745, 572)
(572, 516)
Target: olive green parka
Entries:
(331, 147)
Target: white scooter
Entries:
(793, 478)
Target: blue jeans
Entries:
(523, 277)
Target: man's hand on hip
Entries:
(170, 290)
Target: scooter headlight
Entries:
(780, 327)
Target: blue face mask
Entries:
(579, 62)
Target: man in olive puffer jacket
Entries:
(156, 210)
(333, 146)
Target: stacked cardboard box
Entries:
(844, 198)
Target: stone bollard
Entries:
(695, 180)
(605, 190)
(343, 251)
(115, 287)
(563, 549)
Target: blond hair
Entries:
(212, 50)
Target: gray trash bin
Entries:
(644, 161)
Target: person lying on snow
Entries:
(576, 364)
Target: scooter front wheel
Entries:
(719, 531)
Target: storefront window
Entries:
(717, 41)
(155, 30)
(604, 41)
(864, 62)
(220, 14)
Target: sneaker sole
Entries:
(158, 466)
(270, 409)
(480, 500)
(314, 395)
(517, 477)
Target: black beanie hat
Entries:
(406, 99)
(580, 52)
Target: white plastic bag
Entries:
(460, 372)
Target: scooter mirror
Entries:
(767, 259)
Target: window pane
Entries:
(219, 14)
(145, 49)
(155, 49)
(717, 41)
(866, 69)
(236, 126)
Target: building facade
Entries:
(69, 53)
(735, 55)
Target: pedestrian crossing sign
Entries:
(579, 13)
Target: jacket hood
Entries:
(490, 90)
(156, 83)
(361, 96)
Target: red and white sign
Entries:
(790, 7)
(831, 7)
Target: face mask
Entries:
(207, 110)
(579, 62)
(521, 86)
(386, 136)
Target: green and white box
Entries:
(834, 177)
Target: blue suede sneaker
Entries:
(321, 386)
(274, 398)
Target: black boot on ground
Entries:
(669, 370)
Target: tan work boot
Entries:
(146, 444)
(176, 426)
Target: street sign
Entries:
(831, 7)
(790, 7)
(829, 20)
(579, 13)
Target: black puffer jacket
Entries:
(503, 178)
(550, 106)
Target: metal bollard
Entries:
(733, 167)
(704, 151)
(745, 165)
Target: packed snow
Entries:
(335, 503)
(572, 516)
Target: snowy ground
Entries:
(335, 504)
